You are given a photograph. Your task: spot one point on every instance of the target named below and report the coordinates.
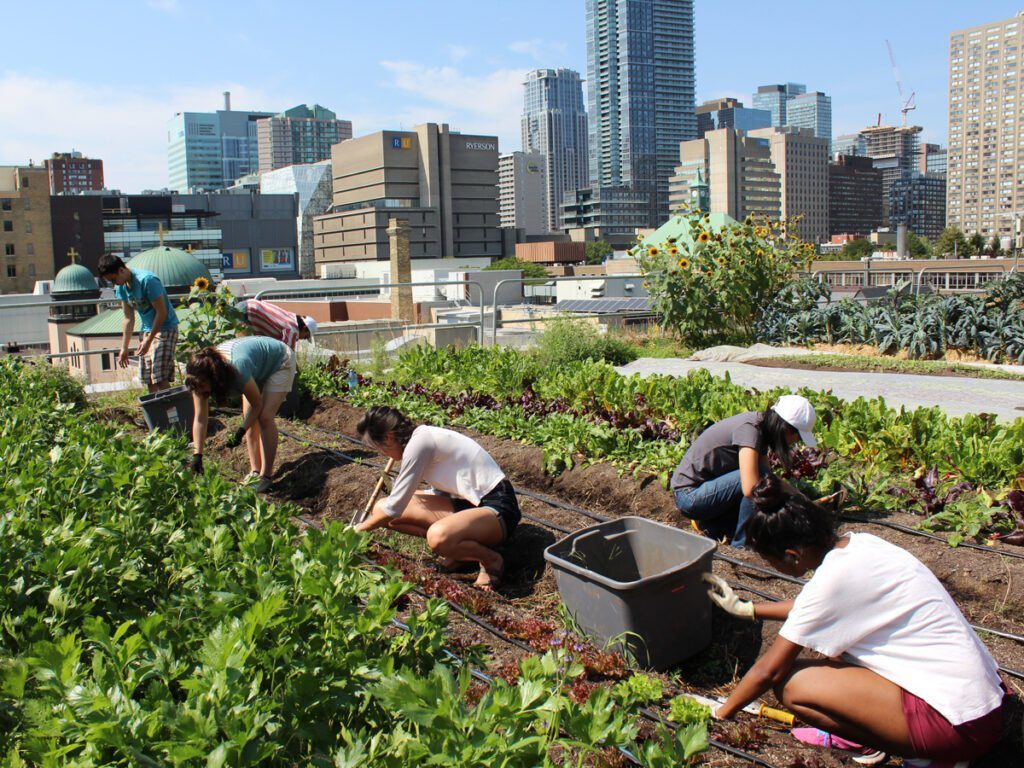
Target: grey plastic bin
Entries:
(633, 575)
(168, 409)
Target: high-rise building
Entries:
(850, 144)
(919, 201)
(71, 174)
(522, 189)
(730, 113)
(640, 90)
(854, 196)
(737, 170)
(554, 124)
(801, 160)
(299, 136)
(813, 111)
(932, 159)
(210, 150)
(776, 98)
(606, 210)
(443, 183)
(894, 150)
(26, 243)
(985, 180)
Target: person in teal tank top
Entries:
(259, 368)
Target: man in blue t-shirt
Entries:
(141, 291)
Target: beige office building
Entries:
(444, 183)
(737, 170)
(26, 239)
(985, 180)
(523, 192)
(801, 160)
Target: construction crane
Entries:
(906, 105)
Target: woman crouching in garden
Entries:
(904, 672)
(714, 480)
(261, 369)
(471, 506)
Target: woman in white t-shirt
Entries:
(470, 508)
(904, 672)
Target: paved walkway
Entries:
(956, 395)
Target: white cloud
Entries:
(488, 104)
(542, 51)
(125, 128)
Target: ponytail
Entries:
(786, 519)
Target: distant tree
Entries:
(597, 250)
(952, 240)
(977, 243)
(528, 268)
(995, 247)
(918, 246)
(856, 249)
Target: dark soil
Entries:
(988, 588)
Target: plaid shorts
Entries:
(158, 364)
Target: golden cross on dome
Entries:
(73, 255)
(160, 232)
(189, 249)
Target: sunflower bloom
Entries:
(673, 251)
(704, 237)
(684, 263)
(201, 283)
(761, 232)
(652, 251)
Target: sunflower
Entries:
(760, 252)
(761, 232)
(720, 261)
(652, 251)
(673, 251)
(703, 237)
(684, 263)
(201, 283)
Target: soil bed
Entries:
(988, 588)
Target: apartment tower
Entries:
(801, 160)
(301, 135)
(522, 192)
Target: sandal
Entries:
(861, 755)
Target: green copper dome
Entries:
(177, 269)
(74, 278)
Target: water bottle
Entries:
(353, 380)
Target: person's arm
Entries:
(127, 326)
(750, 470)
(201, 407)
(767, 672)
(415, 459)
(725, 598)
(251, 393)
(160, 307)
(773, 611)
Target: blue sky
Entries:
(104, 77)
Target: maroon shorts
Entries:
(934, 737)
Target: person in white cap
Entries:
(270, 320)
(715, 479)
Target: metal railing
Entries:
(994, 269)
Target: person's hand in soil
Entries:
(723, 596)
(235, 438)
(196, 464)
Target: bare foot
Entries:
(490, 574)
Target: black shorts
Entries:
(501, 499)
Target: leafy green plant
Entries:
(565, 340)
(639, 689)
(208, 317)
(687, 711)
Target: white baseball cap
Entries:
(310, 323)
(799, 414)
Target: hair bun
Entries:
(768, 495)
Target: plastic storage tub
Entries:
(168, 409)
(637, 583)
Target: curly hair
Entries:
(209, 366)
(785, 519)
(382, 420)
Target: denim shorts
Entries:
(501, 500)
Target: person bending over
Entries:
(471, 506)
(714, 480)
(903, 673)
(261, 370)
(266, 319)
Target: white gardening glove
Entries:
(726, 599)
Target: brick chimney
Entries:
(401, 271)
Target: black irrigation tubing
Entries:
(770, 572)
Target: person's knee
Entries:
(266, 419)
(438, 538)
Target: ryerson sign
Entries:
(488, 146)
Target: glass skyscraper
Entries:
(776, 98)
(555, 124)
(811, 110)
(210, 150)
(641, 83)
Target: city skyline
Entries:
(450, 65)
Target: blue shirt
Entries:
(145, 288)
(253, 357)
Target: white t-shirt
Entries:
(879, 607)
(448, 462)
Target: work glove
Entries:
(723, 596)
(196, 465)
(235, 438)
